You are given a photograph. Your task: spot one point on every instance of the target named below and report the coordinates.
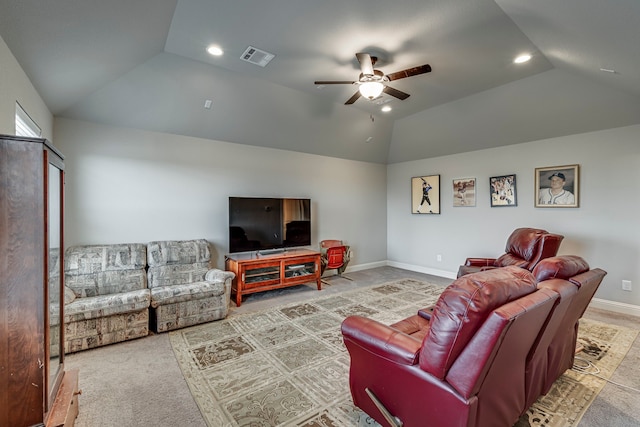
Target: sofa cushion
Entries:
(106, 305)
(178, 252)
(106, 282)
(89, 259)
(560, 267)
(176, 274)
(186, 292)
(463, 307)
(509, 259)
(93, 270)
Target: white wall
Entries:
(605, 229)
(15, 86)
(125, 185)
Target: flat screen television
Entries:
(261, 224)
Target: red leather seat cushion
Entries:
(510, 259)
(463, 307)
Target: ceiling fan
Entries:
(373, 82)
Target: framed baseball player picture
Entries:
(464, 192)
(503, 190)
(425, 194)
(557, 186)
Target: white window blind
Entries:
(25, 126)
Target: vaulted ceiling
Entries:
(143, 64)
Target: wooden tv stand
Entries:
(257, 272)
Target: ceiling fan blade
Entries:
(366, 65)
(334, 82)
(426, 68)
(353, 99)
(395, 93)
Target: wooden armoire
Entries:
(35, 389)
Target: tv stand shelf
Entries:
(256, 272)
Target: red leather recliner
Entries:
(525, 248)
(463, 367)
(553, 353)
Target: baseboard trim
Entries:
(424, 270)
(360, 267)
(617, 307)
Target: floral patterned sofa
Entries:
(118, 292)
(106, 295)
(185, 291)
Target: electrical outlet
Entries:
(626, 285)
(439, 257)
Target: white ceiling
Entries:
(143, 64)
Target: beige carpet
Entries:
(287, 366)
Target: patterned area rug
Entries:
(604, 348)
(287, 366)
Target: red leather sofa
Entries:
(493, 341)
(525, 248)
(553, 353)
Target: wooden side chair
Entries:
(335, 255)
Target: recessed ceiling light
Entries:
(385, 109)
(522, 58)
(215, 50)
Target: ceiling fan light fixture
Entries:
(371, 90)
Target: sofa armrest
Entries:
(215, 275)
(381, 340)
(426, 312)
(479, 262)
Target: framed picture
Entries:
(503, 190)
(425, 194)
(557, 186)
(464, 192)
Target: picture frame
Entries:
(464, 192)
(557, 186)
(503, 190)
(425, 194)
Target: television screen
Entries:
(268, 223)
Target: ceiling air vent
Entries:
(257, 56)
(381, 100)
